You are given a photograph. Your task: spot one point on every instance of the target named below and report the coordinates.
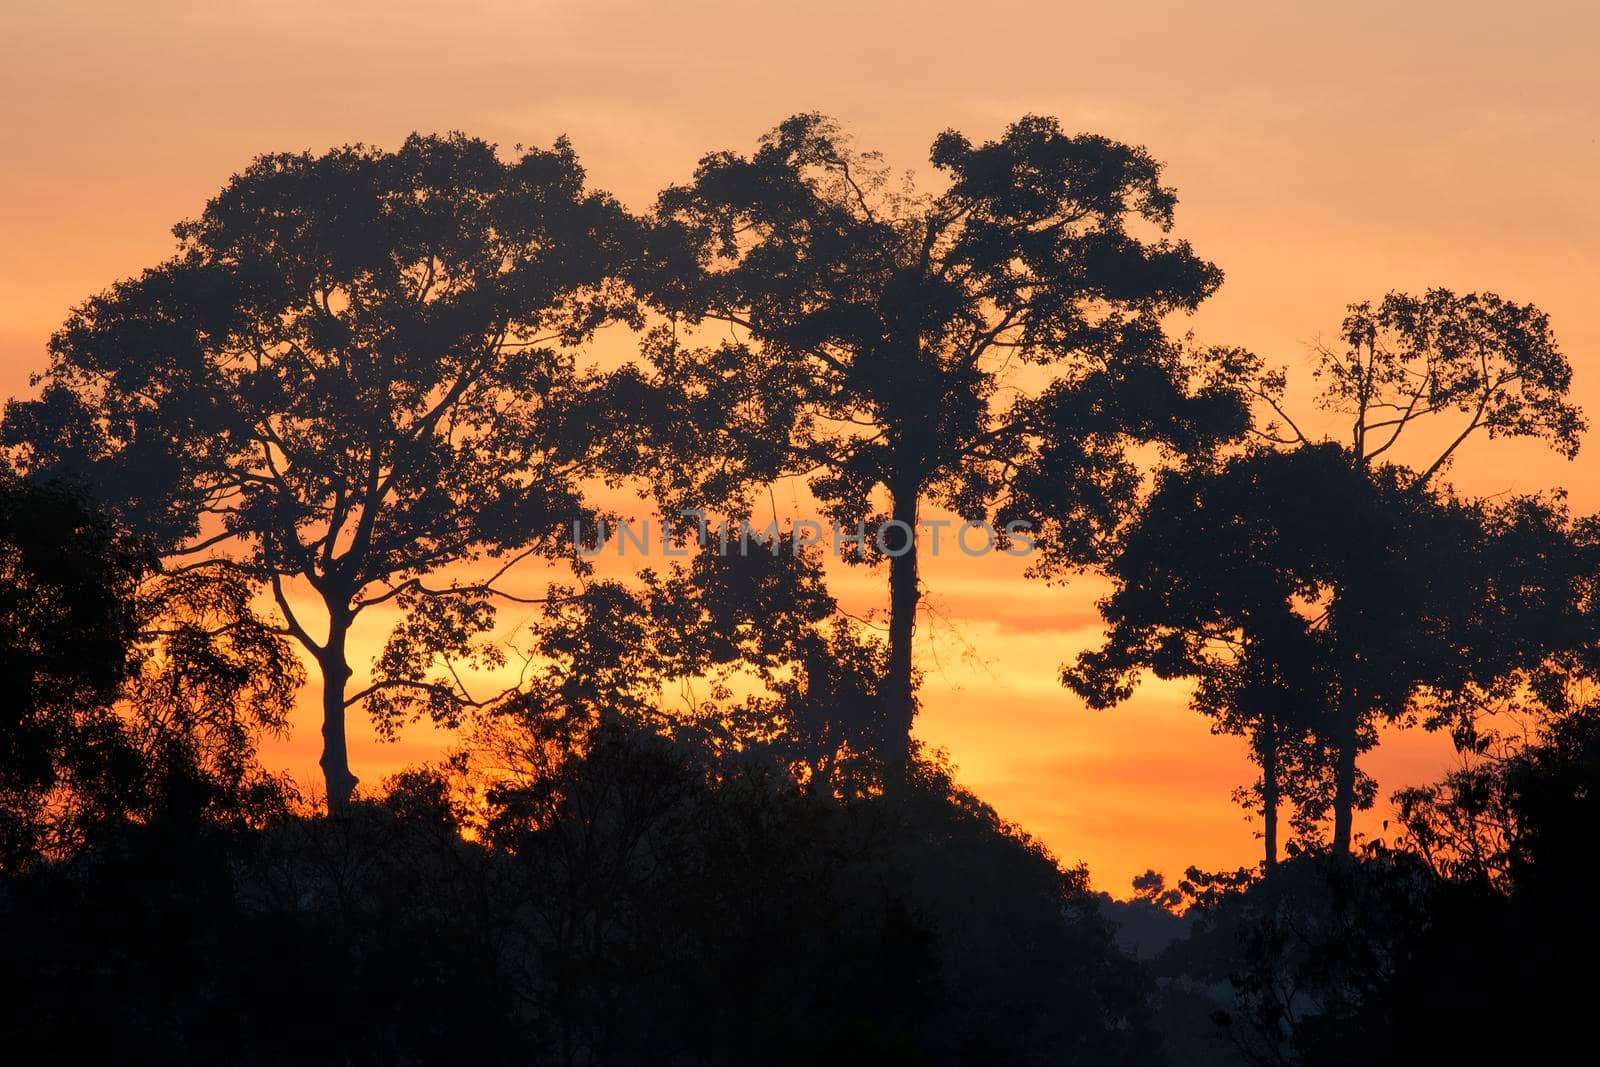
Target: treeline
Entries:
(697, 828)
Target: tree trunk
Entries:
(1269, 790)
(1344, 781)
(335, 761)
(900, 698)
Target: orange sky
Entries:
(1321, 156)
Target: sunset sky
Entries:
(1321, 155)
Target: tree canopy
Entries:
(355, 372)
(1324, 582)
(994, 348)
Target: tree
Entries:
(210, 676)
(67, 626)
(1233, 575)
(746, 655)
(355, 371)
(1296, 585)
(135, 695)
(1489, 364)
(994, 349)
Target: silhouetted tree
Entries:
(352, 374)
(1480, 364)
(1293, 584)
(1217, 582)
(67, 625)
(210, 678)
(995, 348)
(136, 696)
(747, 653)
(1319, 591)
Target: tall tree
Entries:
(995, 349)
(1386, 594)
(1234, 576)
(1291, 586)
(355, 371)
(1215, 584)
(1473, 363)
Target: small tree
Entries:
(67, 627)
(134, 694)
(995, 348)
(352, 373)
(745, 656)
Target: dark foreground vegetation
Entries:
(609, 885)
(695, 827)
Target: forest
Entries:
(685, 818)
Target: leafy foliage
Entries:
(355, 371)
(745, 652)
(138, 695)
(995, 348)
